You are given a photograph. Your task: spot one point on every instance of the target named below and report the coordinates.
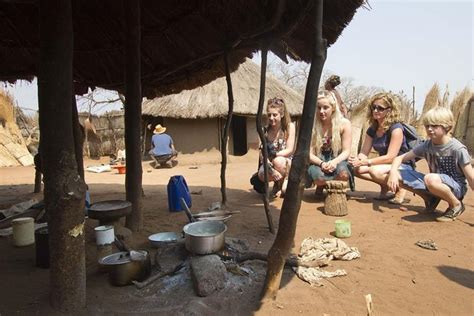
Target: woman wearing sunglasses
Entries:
(385, 136)
(280, 136)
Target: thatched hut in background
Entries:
(194, 118)
(13, 150)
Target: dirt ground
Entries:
(402, 278)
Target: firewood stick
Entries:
(290, 262)
(153, 278)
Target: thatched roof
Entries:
(182, 43)
(211, 99)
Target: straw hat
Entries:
(159, 129)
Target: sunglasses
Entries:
(378, 108)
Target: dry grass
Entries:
(431, 99)
(211, 100)
(460, 101)
(7, 110)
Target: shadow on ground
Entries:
(464, 277)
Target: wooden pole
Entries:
(133, 111)
(292, 202)
(263, 140)
(225, 134)
(64, 189)
(78, 134)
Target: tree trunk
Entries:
(38, 178)
(225, 134)
(78, 138)
(64, 189)
(263, 141)
(292, 202)
(133, 111)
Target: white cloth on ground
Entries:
(319, 249)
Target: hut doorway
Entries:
(239, 135)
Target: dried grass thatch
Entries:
(182, 42)
(445, 101)
(7, 110)
(460, 101)
(464, 128)
(211, 99)
(432, 100)
(13, 151)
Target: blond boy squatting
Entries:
(449, 163)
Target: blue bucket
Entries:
(177, 189)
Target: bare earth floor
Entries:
(402, 278)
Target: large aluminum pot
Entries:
(204, 237)
(125, 267)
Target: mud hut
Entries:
(204, 109)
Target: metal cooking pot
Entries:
(204, 237)
(125, 267)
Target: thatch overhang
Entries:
(211, 101)
(182, 41)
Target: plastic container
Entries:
(104, 235)
(177, 189)
(42, 247)
(343, 228)
(23, 231)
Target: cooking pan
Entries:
(204, 237)
(125, 267)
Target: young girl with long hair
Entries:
(331, 143)
(385, 136)
(280, 136)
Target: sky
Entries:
(394, 45)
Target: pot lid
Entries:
(116, 258)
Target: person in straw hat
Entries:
(162, 148)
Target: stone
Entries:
(208, 274)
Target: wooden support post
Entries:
(78, 133)
(133, 112)
(38, 178)
(263, 140)
(292, 202)
(225, 134)
(64, 189)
